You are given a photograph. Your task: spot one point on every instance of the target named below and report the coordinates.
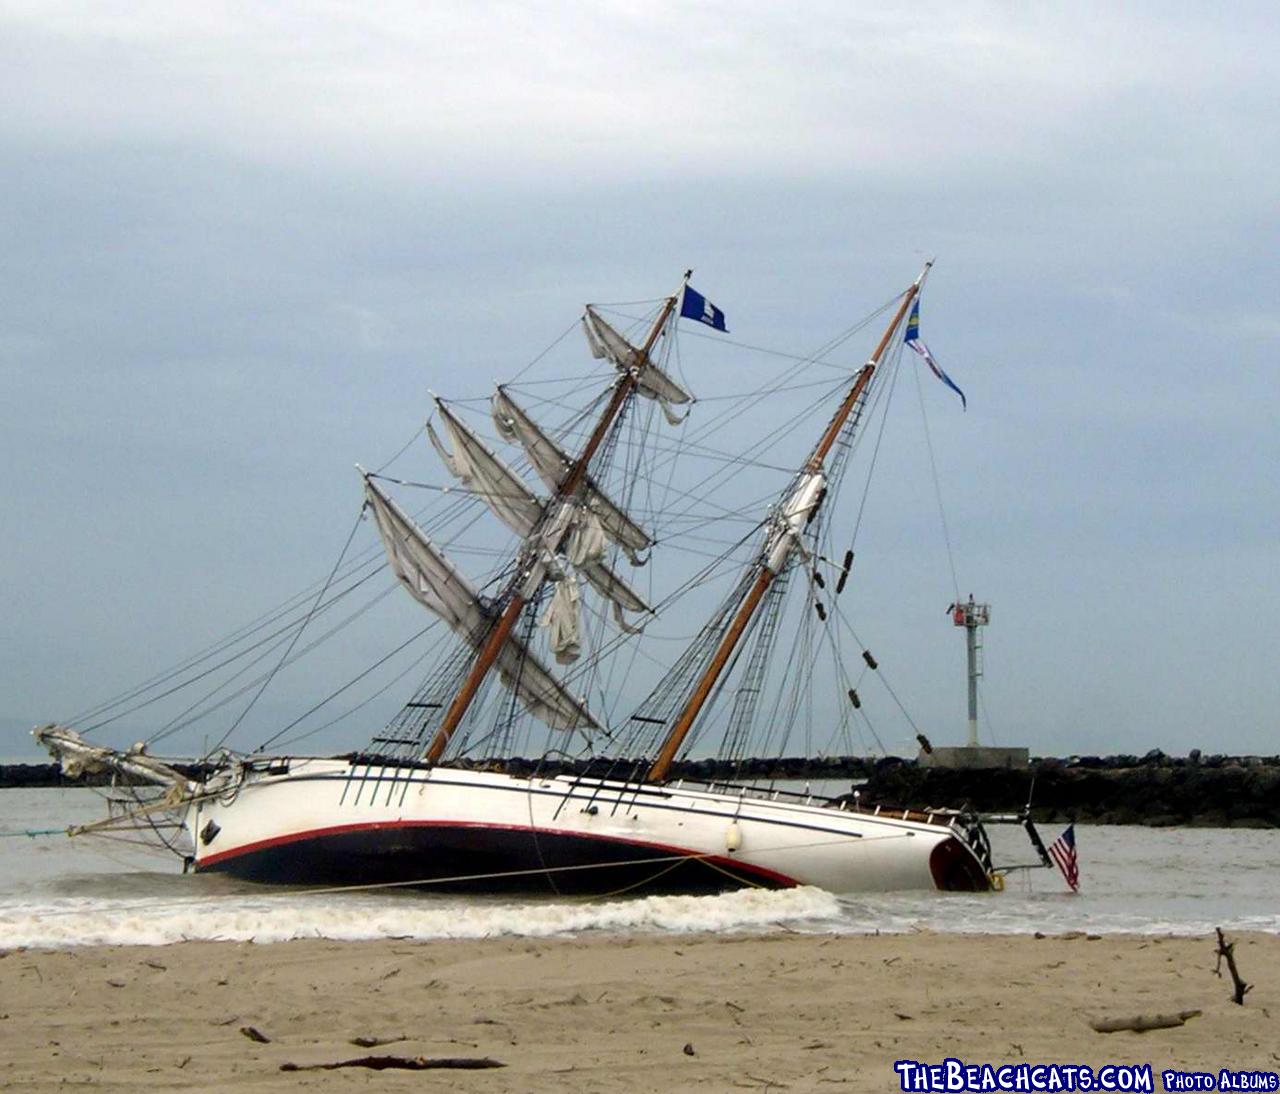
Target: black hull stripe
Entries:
(434, 853)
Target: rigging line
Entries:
(764, 444)
(239, 634)
(716, 455)
(269, 616)
(371, 886)
(601, 305)
(242, 632)
(360, 705)
(265, 641)
(846, 681)
(577, 378)
(581, 419)
(723, 512)
(404, 449)
(937, 485)
(825, 383)
(726, 415)
(986, 718)
(729, 415)
(636, 455)
(884, 679)
(593, 382)
(174, 727)
(567, 331)
(883, 403)
(297, 634)
(350, 683)
(815, 358)
(641, 323)
(692, 582)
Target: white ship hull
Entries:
(325, 821)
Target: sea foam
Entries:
(61, 924)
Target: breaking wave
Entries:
(280, 918)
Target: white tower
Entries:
(971, 616)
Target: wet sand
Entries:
(600, 1013)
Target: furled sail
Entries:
(574, 529)
(560, 617)
(552, 465)
(503, 490)
(605, 342)
(438, 585)
(520, 509)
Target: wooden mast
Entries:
(577, 474)
(765, 574)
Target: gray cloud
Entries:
(241, 243)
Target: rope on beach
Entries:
(32, 833)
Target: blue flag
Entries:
(693, 305)
(912, 339)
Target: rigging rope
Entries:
(297, 634)
(937, 484)
(702, 858)
(647, 461)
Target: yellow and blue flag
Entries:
(912, 339)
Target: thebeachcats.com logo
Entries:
(955, 1076)
(1225, 1079)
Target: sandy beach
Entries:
(784, 1012)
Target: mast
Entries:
(796, 513)
(522, 588)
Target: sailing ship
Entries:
(430, 801)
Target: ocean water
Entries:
(57, 891)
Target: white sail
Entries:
(609, 585)
(585, 549)
(552, 465)
(438, 585)
(650, 379)
(484, 473)
(521, 510)
(560, 617)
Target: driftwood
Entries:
(376, 1042)
(403, 1063)
(1143, 1022)
(255, 1034)
(1227, 950)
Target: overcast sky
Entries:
(241, 241)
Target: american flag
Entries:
(1063, 852)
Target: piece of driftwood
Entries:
(376, 1042)
(255, 1034)
(403, 1063)
(1143, 1022)
(1227, 950)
